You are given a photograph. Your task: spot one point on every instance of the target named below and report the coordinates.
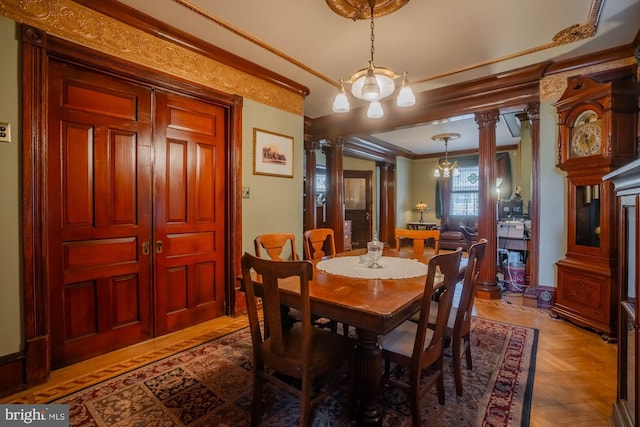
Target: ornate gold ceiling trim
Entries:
(553, 86)
(78, 24)
(360, 9)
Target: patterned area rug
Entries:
(210, 385)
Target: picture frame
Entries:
(272, 154)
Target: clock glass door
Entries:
(588, 215)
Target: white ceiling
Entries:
(438, 42)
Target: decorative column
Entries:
(310, 148)
(487, 216)
(335, 190)
(387, 203)
(533, 114)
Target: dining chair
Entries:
(278, 246)
(281, 247)
(416, 347)
(458, 330)
(419, 238)
(318, 243)
(303, 352)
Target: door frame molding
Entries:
(38, 48)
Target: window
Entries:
(465, 191)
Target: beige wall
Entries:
(404, 191)
(10, 200)
(423, 188)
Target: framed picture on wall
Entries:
(272, 154)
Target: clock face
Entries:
(586, 137)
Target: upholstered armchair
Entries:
(452, 236)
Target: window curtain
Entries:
(503, 170)
(442, 199)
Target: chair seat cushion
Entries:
(402, 338)
(433, 314)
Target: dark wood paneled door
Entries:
(134, 214)
(189, 212)
(97, 219)
(358, 205)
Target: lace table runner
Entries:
(392, 268)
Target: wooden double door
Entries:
(134, 218)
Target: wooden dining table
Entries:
(374, 307)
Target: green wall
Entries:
(276, 204)
(10, 195)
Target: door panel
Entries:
(358, 206)
(189, 212)
(98, 213)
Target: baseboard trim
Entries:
(12, 368)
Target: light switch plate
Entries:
(246, 192)
(5, 132)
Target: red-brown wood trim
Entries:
(100, 62)
(591, 59)
(387, 203)
(136, 19)
(533, 114)
(11, 373)
(487, 227)
(235, 299)
(36, 310)
(499, 91)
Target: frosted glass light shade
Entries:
(375, 110)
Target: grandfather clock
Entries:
(597, 133)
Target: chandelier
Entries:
(446, 168)
(373, 84)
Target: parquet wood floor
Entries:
(575, 378)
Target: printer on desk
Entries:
(512, 229)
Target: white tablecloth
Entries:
(392, 268)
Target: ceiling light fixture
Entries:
(373, 84)
(446, 168)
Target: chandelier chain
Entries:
(373, 37)
(372, 83)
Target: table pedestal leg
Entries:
(368, 371)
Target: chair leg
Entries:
(440, 382)
(414, 395)
(256, 403)
(456, 361)
(305, 402)
(467, 343)
(345, 329)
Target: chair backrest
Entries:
(443, 268)
(468, 294)
(318, 243)
(278, 246)
(469, 234)
(419, 237)
(269, 272)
